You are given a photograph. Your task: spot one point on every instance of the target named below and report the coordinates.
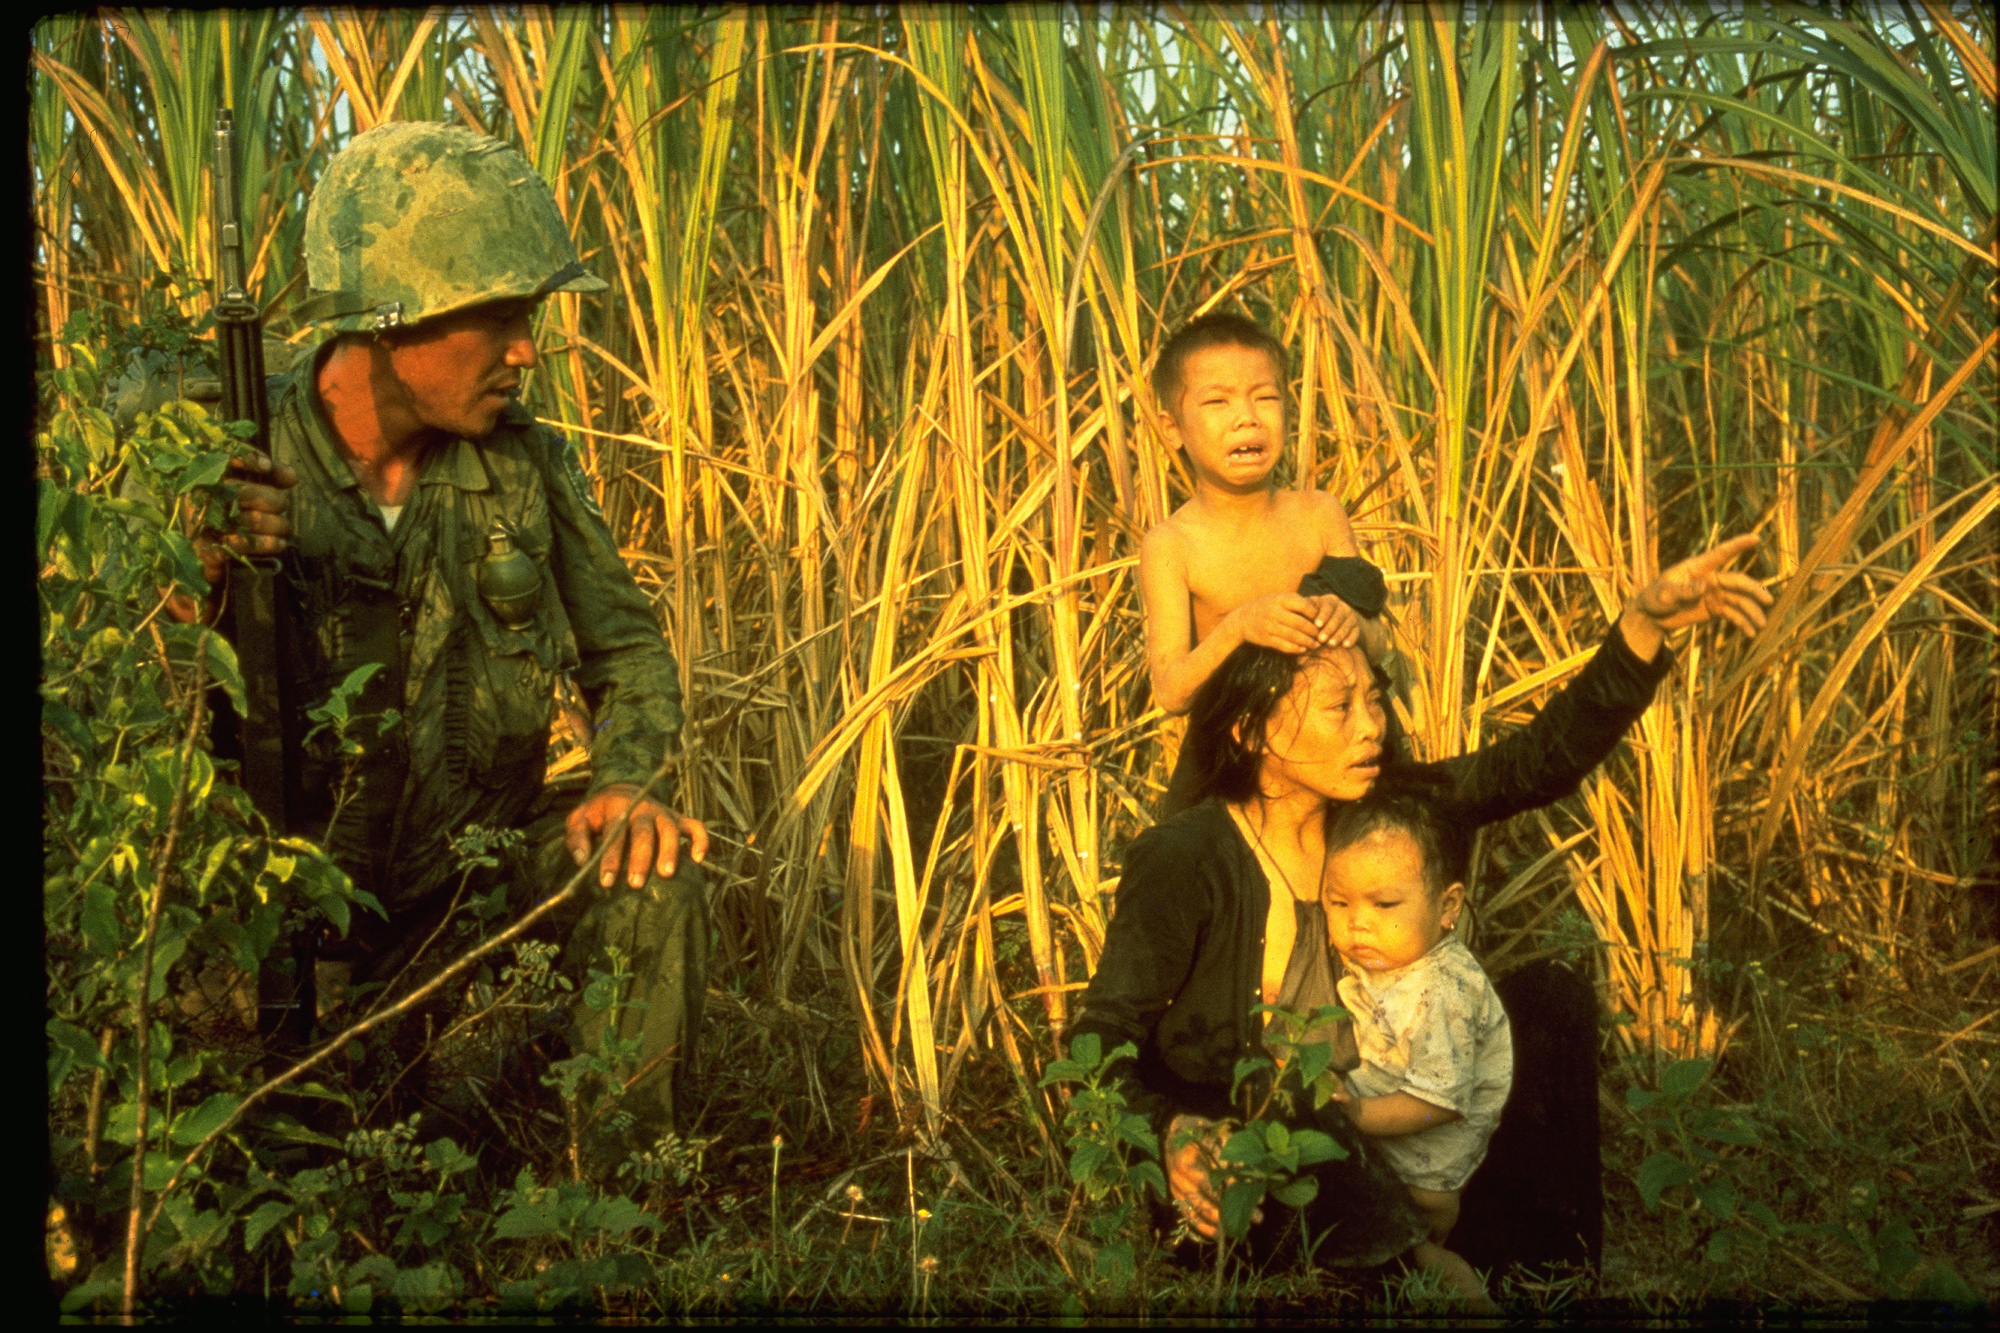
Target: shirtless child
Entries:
(1226, 568)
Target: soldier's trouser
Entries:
(660, 929)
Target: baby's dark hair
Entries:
(1219, 328)
(1408, 799)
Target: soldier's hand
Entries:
(259, 522)
(649, 842)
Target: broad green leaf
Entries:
(75, 1043)
(616, 1214)
(527, 1220)
(190, 1127)
(1083, 1163)
(259, 1223)
(1087, 1050)
(445, 1157)
(1239, 1201)
(1682, 1077)
(1660, 1172)
(1313, 1146)
(1245, 1147)
(1718, 1196)
(1297, 1192)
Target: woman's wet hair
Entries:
(1409, 799)
(1229, 721)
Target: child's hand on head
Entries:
(1340, 623)
(1282, 620)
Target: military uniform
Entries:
(476, 699)
(409, 222)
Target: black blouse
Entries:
(1182, 966)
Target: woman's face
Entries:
(1326, 733)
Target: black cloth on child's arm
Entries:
(1351, 579)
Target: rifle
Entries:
(254, 617)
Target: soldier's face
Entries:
(459, 370)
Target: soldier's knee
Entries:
(686, 890)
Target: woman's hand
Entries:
(1193, 1155)
(1693, 592)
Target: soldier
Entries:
(430, 527)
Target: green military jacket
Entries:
(475, 698)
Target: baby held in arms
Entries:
(1437, 1057)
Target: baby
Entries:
(1437, 1057)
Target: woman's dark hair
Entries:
(1230, 717)
(1409, 799)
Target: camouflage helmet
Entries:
(415, 219)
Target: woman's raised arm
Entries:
(1547, 759)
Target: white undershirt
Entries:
(389, 513)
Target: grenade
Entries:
(510, 583)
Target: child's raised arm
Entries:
(1178, 666)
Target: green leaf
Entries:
(70, 727)
(1725, 1128)
(223, 668)
(51, 503)
(1244, 1148)
(99, 920)
(1640, 1098)
(430, 1287)
(1148, 1174)
(616, 1214)
(1297, 1192)
(259, 1224)
(446, 1158)
(1087, 1050)
(206, 470)
(1063, 1071)
(1083, 1163)
(1942, 1283)
(525, 1221)
(74, 1042)
(1895, 1251)
(1313, 1059)
(1661, 1172)
(76, 1298)
(1238, 1203)
(1114, 1262)
(1244, 1069)
(1277, 1138)
(285, 1127)
(1313, 1146)
(1682, 1077)
(191, 1127)
(1719, 1197)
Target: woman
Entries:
(1218, 908)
